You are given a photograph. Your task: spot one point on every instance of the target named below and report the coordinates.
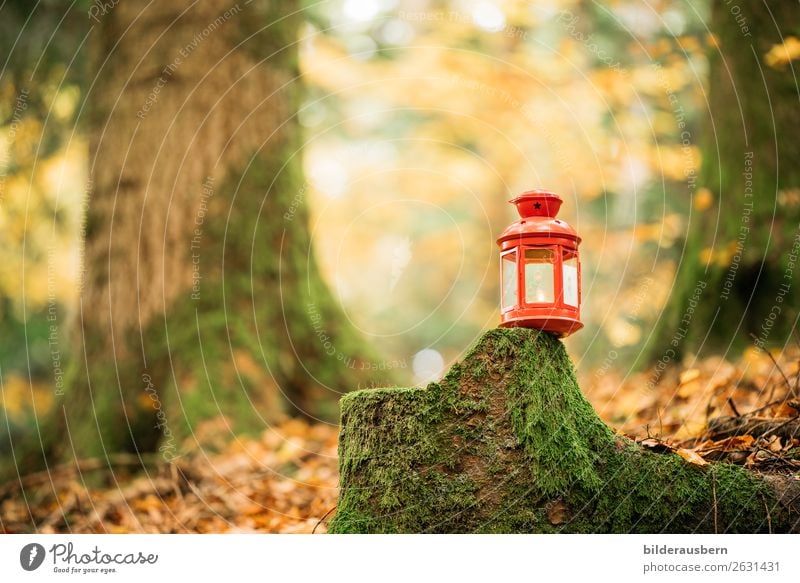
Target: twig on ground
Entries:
(324, 516)
(789, 386)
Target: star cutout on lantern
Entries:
(537, 205)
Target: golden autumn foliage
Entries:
(421, 120)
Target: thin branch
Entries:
(778, 366)
(797, 376)
(324, 516)
(714, 493)
(769, 516)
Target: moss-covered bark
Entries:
(506, 442)
(741, 252)
(201, 298)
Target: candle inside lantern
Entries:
(539, 275)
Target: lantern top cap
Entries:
(537, 203)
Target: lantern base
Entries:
(561, 326)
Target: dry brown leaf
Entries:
(692, 456)
(687, 389)
(689, 375)
(557, 512)
(656, 445)
(738, 442)
(785, 410)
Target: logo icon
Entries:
(31, 556)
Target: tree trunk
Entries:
(738, 272)
(507, 443)
(201, 299)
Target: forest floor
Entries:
(286, 479)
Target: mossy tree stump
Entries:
(506, 442)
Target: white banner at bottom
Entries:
(405, 558)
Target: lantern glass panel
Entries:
(539, 276)
(570, 274)
(509, 266)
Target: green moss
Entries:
(237, 338)
(507, 437)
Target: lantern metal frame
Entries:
(538, 229)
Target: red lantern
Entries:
(540, 272)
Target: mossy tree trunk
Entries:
(506, 442)
(201, 299)
(738, 273)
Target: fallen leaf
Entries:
(656, 445)
(557, 512)
(738, 442)
(692, 456)
(689, 375)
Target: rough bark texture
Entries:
(201, 297)
(744, 247)
(506, 442)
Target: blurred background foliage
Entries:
(425, 117)
(422, 118)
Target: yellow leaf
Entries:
(782, 53)
(703, 199)
(692, 456)
(686, 390)
(689, 375)
(145, 401)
